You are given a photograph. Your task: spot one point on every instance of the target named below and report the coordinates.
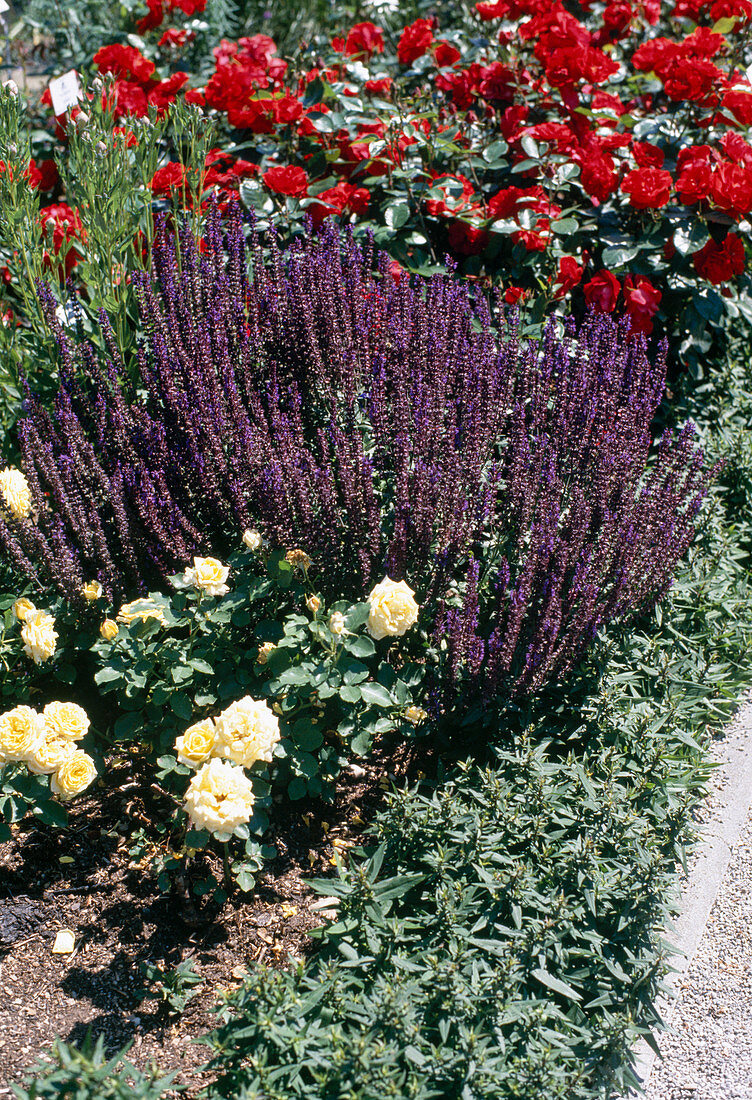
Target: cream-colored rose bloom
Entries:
(50, 754)
(15, 492)
(219, 798)
(142, 609)
(253, 539)
(337, 623)
(92, 591)
(415, 714)
(21, 731)
(22, 608)
(263, 654)
(247, 731)
(74, 775)
(195, 746)
(40, 639)
(209, 575)
(313, 603)
(393, 609)
(109, 629)
(66, 720)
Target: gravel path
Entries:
(708, 1052)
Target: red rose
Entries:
(287, 109)
(535, 239)
(130, 99)
(497, 83)
(720, 262)
(415, 40)
(125, 62)
(648, 188)
(515, 294)
(568, 276)
(741, 10)
(381, 87)
(641, 301)
(344, 198)
(66, 226)
(468, 240)
(287, 180)
(691, 78)
(693, 183)
(168, 177)
(164, 93)
(153, 19)
(647, 155)
(602, 292)
(445, 54)
(364, 40)
(576, 63)
(492, 9)
(731, 189)
(739, 103)
(598, 177)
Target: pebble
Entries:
(707, 1054)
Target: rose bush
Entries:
(545, 148)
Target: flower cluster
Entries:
(386, 425)
(46, 744)
(220, 796)
(37, 631)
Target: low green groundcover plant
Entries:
(501, 934)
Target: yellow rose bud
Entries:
(313, 603)
(109, 629)
(21, 731)
(66, 720)
(393, 609)
(253, 539)
(219, 798)
(74, 775)
(92, 591)
(196, 745)
(38, 633)
(209, 575)
(142, 609)
(415, 715)
(22, 608)
(298, 558)
(263, 654)
(247, 731)
(15, 492)
(337, 623)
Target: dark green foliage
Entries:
(88, 1074)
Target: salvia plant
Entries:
(386, 425)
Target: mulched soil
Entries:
(83, 879)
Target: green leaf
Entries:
(181, 705)
(376, 694)
(396, 216)
(556, 985)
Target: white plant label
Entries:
(65, 91)
(4, 7)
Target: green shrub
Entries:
(87, 1074)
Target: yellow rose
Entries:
(74, 775)
(247, 731)
(92, 591)
(66, 720)
(50, 754)
(415, 714)
(337, 623)
(393, 609)
(263, 654)
(219, 798)
(253, 539)
(38, 633)
(142, 609)
(195, 746)
(22, 608)
(21, 731)
(109, 629)
(313, 603)
(298, 558)
(15, 492)
(209, 575)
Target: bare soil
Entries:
(84, 879)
